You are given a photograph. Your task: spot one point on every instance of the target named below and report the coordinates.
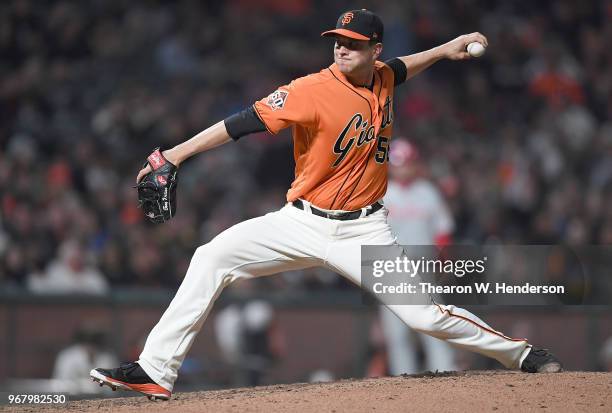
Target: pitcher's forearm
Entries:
(453, 50)
(209, 138)
(416, 63)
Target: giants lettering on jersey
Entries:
(344, 145)
(387, 118)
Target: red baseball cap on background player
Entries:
(404, 161)
(358, 24)
(403, 152)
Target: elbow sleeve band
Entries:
(399, 70)
(244, 122)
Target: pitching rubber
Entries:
(553, 367)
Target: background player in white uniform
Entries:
(341, 120)
(418, 215)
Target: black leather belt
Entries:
(342, 216)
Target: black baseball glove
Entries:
(157, 189)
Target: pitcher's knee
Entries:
(211, 262)
(208, 255)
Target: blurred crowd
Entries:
(519, 141)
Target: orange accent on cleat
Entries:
(149, 389)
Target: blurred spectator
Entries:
(73, 364)
(249, 339)
(378, 360)
(606, 355)
(70, 273)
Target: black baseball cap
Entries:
(358, 24)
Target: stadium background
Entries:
(519, 141)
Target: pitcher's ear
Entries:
(378, 48)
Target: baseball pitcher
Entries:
(342, 121)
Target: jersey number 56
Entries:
(382, 150)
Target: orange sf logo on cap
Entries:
(347, 18)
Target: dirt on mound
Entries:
(449, 392)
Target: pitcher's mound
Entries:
(447, 392)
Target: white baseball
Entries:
(475, 49)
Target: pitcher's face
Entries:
(351, 55)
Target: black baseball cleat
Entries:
(539, 360)
(130, 376)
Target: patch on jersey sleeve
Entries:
(276, 100)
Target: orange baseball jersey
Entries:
(341, 136)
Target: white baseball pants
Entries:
(402, 349)
(291, 239)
